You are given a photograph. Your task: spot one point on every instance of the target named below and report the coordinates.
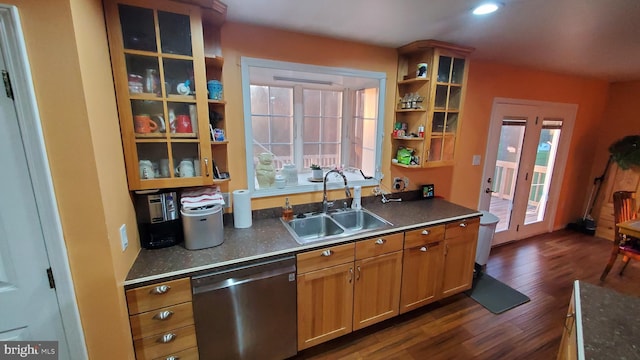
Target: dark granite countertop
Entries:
(268, 237)
(610, 329)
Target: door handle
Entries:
(159, 290)
(163, 315)
(206, 167)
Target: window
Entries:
(304, 114)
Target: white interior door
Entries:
(526, 152)
(29, 309)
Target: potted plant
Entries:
(316, 171)
(626, 152)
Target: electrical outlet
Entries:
(475, 161)
(124, 240)
(406, 182)
(225, 197)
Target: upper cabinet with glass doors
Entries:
(431, 86)
(159, 72)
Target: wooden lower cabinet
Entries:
(459, 256)
(421, 275)
(569, 343)
(377, 289)
(363, 290)
(161, 319)
(325, 300)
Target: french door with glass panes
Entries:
(526, 153)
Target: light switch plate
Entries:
(476, 160)
(123, 237)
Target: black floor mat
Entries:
(494, 295)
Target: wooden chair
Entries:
(624, 209)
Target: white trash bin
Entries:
(488, 223)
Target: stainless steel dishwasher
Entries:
(247, 312)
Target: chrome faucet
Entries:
(327, 204)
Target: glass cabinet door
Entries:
(159, 65)
(446, 107)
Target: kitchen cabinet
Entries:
(325, 294)
(569, 344)
(160, 76)
(378, 274)
(347, 287)
(422, 267)
(161, 319)
(459, 255)
(429, 102)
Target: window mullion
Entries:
(298, 127)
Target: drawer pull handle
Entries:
(327, 253)
(166, 338)
(424, 249)
(173, 358)
(463, 225)
(159, 290)
(380, 241)
(163, 315)
(425, 232)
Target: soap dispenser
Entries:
(357, 198)
(287, 211)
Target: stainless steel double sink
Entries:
(334, 224)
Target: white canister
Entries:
(290, 174)
(281, 182)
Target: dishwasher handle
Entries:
(230, 281)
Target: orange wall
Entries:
(490, 80)
(74, 90)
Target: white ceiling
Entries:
(594, 38)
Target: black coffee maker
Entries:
(158, 217)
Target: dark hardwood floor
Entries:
(542, 267)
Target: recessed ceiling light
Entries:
(486, 8)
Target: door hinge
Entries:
(526, 176)
(517, 228)
(7, 84)
(536, 120)
(52, 282)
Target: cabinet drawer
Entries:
(162, 345)
(161, 320)
(325, 257)
(157, 296)
(378, 245)
(189, 354)
(459, 228)
(423, 236)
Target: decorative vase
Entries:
(316, 174)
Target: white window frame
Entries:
(354, 179)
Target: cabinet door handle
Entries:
(326, 253)
(569, 328)
(166, 338)
(350, 275)
(159, 290)
(206, 167)
(424, 248)
(358, 274)
(463, 225)
(173, 358)
(163, 315)
(425, 232)
(380, 241)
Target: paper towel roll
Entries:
(242, 209)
